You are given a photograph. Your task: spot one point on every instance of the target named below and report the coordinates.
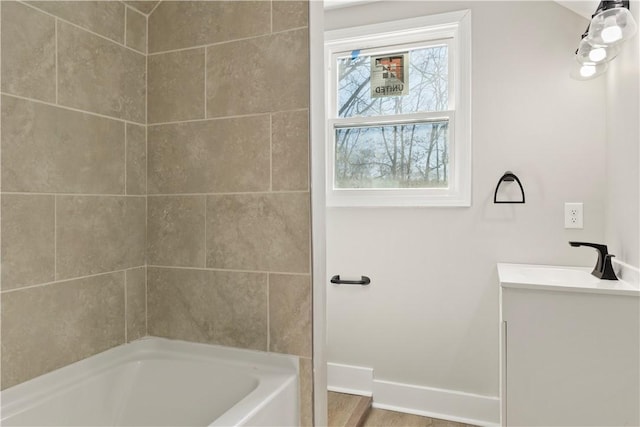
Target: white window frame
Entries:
(453, 29)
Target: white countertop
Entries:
(560, 278)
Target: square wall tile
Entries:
(179, 25)
(290, 314)
(100, 76)
(48, 327)
(258, 75)
(28, 57)
(263, 232)
(47, 149)
(290, 150)
(96, 234)
(215, 307)
(102, 17)
(176, 86)
(28, 240)
(290, 14)
(176, 231)
(212, 156)
(136, 303)
(136, 159)
(306, 392)
(136, 30)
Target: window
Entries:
(399, 113)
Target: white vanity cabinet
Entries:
(570, 353)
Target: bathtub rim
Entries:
(274, 372)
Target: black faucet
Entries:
(603, 269)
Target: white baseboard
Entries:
(349, 379)
(437, 403)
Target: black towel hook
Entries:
(508, 177)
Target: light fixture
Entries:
(612, 23)
(610, 26)
(588, 71)
(588, 52)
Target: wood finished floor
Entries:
(348, 410)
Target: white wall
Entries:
(623, 138)
(430, 316)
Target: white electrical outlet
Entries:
(573, 215)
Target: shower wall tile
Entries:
(213, 156)
(47, 327)
(290, 14)
(245, 81)
(136, 30)
(136, 159)
(264, 232)
(48, 149)
(178, 25)
(144, 6)
(176, 86)
(176, 231)
(100, 76)
(290, 150)
(28, 57)
(290, 314)
(102, 17)
(215, 307)
(28, 246)
(136, 303)
(99, 234)
(306, 392)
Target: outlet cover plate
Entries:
(573, 215)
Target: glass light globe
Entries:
(589, 53)
(588, 71)
(612, 26)
(597, 54)
(611, 32)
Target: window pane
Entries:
(427, 83)
(392, 156)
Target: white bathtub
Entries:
(159, 382)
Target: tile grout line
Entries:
(55, 237)
(205, 84)
(126, 142)
(70, 279)
(126, 338)
(80, 27)
(268, 312)
(65, 107)
(126, 17)
(238, 116)
(36, 193)
(271, 152)
(205, 232)
(154, 8)
(229, 270)
(146, 302)
(227, 41)
(56, 48)
(241, 193)
(146, 173)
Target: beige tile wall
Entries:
(73, 182)
(176, 180)
(228, 177)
